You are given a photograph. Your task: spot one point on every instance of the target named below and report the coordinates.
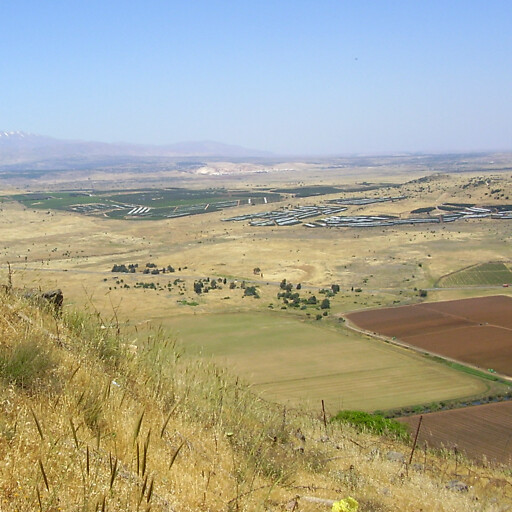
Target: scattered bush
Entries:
(251, 291)
(373, 423)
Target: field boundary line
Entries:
(403, 344)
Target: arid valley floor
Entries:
(269, 299)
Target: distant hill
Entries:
(19, 148)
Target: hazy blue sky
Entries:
(286, 76)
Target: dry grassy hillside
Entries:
(92, 422)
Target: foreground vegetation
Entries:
(374, 423)
(92, 422)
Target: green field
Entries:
(493, 274)
(301, 363)
(163, 203)
(55, 200)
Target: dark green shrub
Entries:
(251, 291)
(325, 304)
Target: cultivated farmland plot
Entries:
(478, 430)
(147, 204)
(479, 275)
(476, 331)
(299, 363)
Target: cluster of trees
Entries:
(131, 268)
(155, 286)
(284, 285)
(330, 292)
(150, 268)
(150, 286)
(293, 298)
(207, 284)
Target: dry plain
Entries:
(287, 355)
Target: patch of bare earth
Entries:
(477, 331)
(482, 430)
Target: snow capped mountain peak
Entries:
(13, 134)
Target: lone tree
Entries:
(326, 304)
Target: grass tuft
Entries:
(26, 364)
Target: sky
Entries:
(317, 77)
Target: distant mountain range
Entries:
(20, 149)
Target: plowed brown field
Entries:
(476, 331)
(477, 431)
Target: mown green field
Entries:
(55, 200)
(484, 274)
(162, 203)
(301, 363)
(153, 198)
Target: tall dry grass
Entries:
(91, 422)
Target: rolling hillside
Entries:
(92, 421)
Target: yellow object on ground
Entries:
(346, 505)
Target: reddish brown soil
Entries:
(495, 310)
(476, 331)
(484, 346)
(477, 431)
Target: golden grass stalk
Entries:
(150, 490)
(43, 472)
(38, 425)
(73, 430)
(138, 425)
(168, 418)
(113, 471)
(173, 459)
(39, 499)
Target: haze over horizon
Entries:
(286, 77)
